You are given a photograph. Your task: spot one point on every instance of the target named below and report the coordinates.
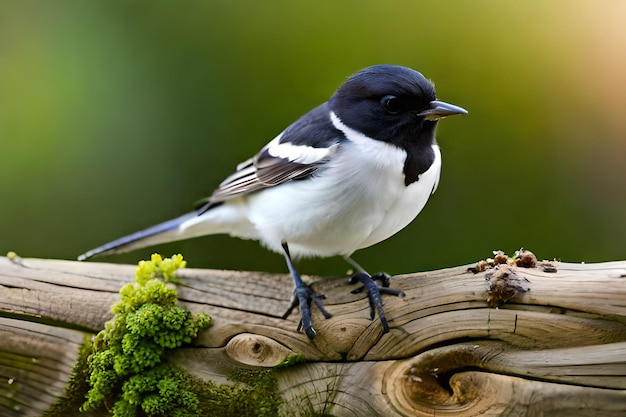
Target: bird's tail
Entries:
(217, 218)
(161, 233)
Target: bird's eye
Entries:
(391, 104)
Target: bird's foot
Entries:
(374, 291)
(303, 297)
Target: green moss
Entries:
(157, 267)
(253, 394)
(124, 370)
(291, 360)
(74, 395)
(128, 370)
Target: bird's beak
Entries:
(439, 109)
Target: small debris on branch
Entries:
(525, 259)
(15, 258)
(500, 257)
(522, 258)
(504, 280)
(548, 266)
(504, 283)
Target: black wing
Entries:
(294, 154)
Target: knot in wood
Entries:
(257, 350)
(442, 377)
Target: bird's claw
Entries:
(373, 293)
(303, 297)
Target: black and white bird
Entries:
(346, 175)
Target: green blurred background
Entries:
(117, 115)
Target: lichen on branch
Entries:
(129, 373)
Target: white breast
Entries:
(401, 203)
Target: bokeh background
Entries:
(116, 115)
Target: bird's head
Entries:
(392, 104)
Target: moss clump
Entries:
(253, 394)
(128, 371)
(124, 370)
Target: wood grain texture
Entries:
(36, 362)
(557, 349)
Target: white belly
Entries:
(346, 206)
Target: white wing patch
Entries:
(275, 164)
(300, 154)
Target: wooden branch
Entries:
(557, 349)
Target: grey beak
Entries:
(439, 109)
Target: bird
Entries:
(348, 174)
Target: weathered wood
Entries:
(558, 349)
(36, 362)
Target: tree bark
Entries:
(556, 345)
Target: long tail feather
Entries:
(163, 232)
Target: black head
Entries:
(391, 103)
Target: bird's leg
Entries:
(357, 267)
(303, 296)
(373, 290)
